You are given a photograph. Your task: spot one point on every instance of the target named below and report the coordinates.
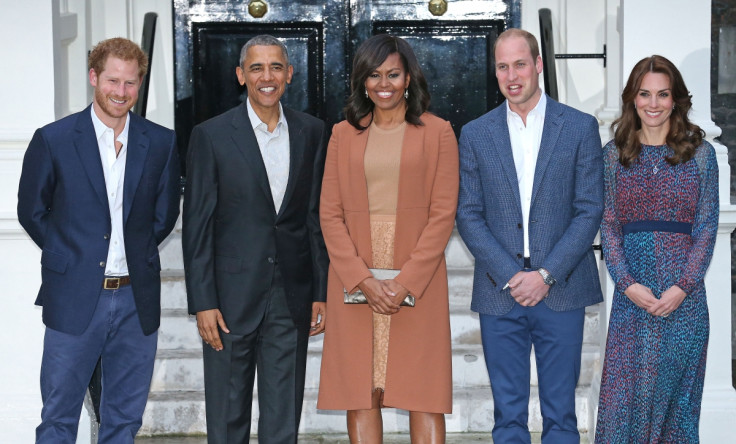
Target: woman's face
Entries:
(654, 100)
(386, 85)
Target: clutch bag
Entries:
(381, 274)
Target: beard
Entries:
(103, 102)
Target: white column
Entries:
(681, 31)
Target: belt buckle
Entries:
(111, 283)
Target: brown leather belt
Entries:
(113, 283)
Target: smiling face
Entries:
(116, 89)
(654, 101)
(386, 84)
(265, 74)
(518, 74)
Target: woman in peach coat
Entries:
(388, 200)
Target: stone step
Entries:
(183, 412)
(181, 370)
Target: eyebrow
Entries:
(256, 65)
(661, 90)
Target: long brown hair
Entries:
(683, 136)
(370, 55)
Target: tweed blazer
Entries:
(565, 213)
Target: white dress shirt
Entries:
(113, 166)
(274, 148)
(525, 141)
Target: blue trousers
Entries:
(557, 338)
(115, 334)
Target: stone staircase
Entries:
(176, 401)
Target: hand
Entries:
(641, 296)
(379, 298)
(668, 302)
(317, 325)
(528, 288)
(207, 324)
(397, 291)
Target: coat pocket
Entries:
(54, 261)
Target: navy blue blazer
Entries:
(62, 204)
(565, 213)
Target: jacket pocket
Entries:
(54, 261)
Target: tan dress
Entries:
(382, 161)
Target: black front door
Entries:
(454, 50)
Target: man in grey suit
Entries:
(530, 204)
(254, 257)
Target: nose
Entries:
(267, 74)
(512, 73)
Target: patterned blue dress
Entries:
(654, 366)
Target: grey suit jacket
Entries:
(565, 213)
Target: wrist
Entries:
(546, 277)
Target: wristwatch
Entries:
(548, 279)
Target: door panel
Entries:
(454, 51)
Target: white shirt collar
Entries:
(256, 121)
(538, 110)
(100, 127)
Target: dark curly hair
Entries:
(121, 48)
(370, 55)
(683, 136)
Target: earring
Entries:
(635, 106)
(366, 93)
(673, 106)
(406, 93)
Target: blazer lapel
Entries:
(498, 131)
(550, 135)
(88, 151)
(245, 140)
(138, 144)
(296, 154)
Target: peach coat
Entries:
(419, 370)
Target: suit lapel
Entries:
(550, 135)
(296, 153)
(138, 144)
(245, 140)
(88, 151)
(498, 131)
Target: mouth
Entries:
(514, 89)
(267, 89)
(384, 94)
(118, 101)
(653, 114)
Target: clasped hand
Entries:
(384, 297)
(643, 297)
(528, 288)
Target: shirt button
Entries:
(102, 264)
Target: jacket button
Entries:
(270, 260)
(518, 255)
(518, 226)
(102, 264)
(106, 237)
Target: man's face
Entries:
(518, 74)
(116, 87)
(265, 74)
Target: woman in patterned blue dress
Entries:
(658, 231)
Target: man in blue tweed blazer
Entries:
(530, 204)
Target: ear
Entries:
(539, 64)
(289, 73)
(407, 81)
(241, 75)
(93, 78)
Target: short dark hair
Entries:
(683, 136)
(263, 40)
(370, 55)
(120, 48)
(516, 32)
